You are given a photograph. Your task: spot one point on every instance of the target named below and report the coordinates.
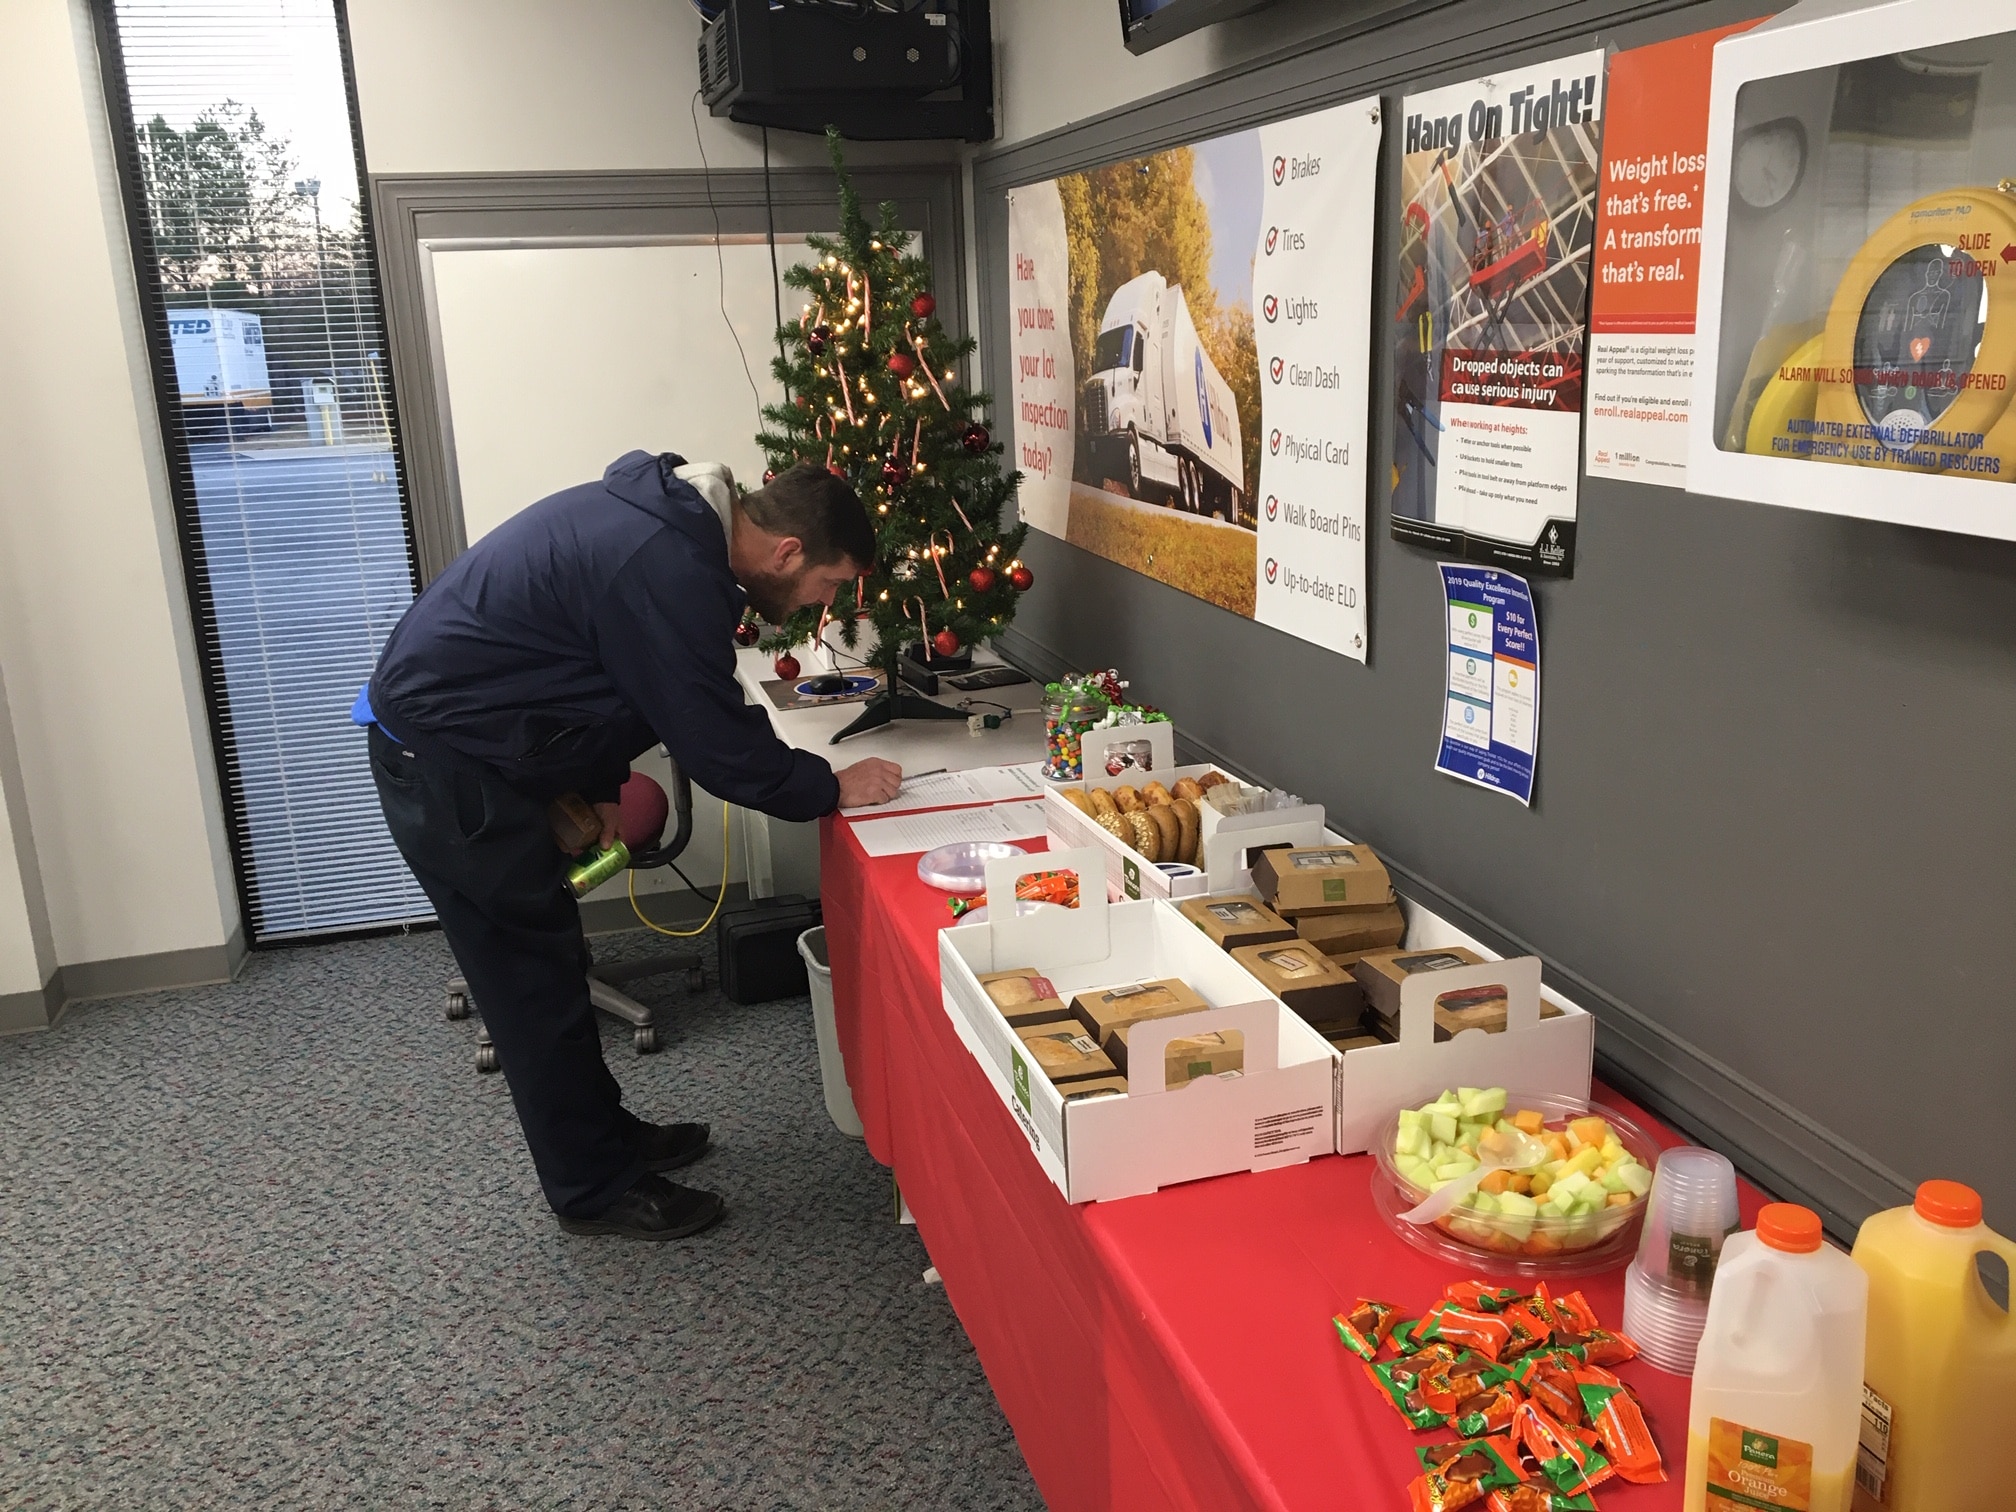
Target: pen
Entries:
(934, 772)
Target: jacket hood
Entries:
(646, 482)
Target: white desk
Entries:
(782, 857)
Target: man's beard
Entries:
(773, 596)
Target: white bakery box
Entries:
(1224, 840)
(1279, 1111)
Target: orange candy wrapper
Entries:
(1569, 1457)
(1459, 1475)
(1481, 1296)
(1060, 887)
(1620, 1423)
(1367, 1326)
(1486, 1334)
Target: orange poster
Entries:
(1647, 260)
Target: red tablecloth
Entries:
(1173, 1350)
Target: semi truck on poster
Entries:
(220, 367)
(1158, 415)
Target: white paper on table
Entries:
(950, 789)
(906, 833)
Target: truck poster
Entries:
(1191, 338)
(1648, 259)
(1498, 213)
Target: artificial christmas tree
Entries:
(872, 392)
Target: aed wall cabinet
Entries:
(1858, 266)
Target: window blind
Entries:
(236, 127)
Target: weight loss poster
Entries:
(1191, 337)
(1497, 215)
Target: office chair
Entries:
(646, 852)
(717, 486)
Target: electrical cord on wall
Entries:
(720, 263)
(719, 896)
(776, 279)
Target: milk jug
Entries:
(1778, 1379)
(1939, 1405)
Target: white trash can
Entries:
(832, 1069)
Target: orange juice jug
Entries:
(1777, 1398)
(1939, 1405)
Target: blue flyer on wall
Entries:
(1491, 717)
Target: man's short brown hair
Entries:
(820, 510)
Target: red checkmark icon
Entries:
(1280, 169)
(1273, 506)
(1270, 308)
(1274, 442)
(1273, 236)
(1274, 368)
(1272, 565)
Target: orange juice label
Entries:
(1751, 1469)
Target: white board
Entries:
(558, 359)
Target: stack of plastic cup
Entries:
(1691, 1210)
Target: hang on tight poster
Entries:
(1191, 338)
(1498, 211)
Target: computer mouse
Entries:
(826, 685)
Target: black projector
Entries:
(876, 74)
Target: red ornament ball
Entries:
(894, 473)
(945, 643)
(1021, 578)
(923, 306)
(787, 666)
(902, 364)
(816, 339)
(975, 438)
(747, 634)
(982, 579)
(769, 475)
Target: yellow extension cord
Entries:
(720, 894)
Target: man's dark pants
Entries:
(486, 858)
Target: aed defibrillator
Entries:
(1915, 366)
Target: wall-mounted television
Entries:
(1148, 24)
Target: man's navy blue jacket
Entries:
(581, 632)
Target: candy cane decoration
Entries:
(923, 623)
(867, 304)
(916, 436)
(846, 397)
(938, 556)
(962, 515)
(924, 362)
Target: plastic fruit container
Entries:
(1491, 1242)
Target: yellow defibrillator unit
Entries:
(1915, 367)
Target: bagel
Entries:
(1186, 787)
(1147, 839)
(1077, 799)
(1168, 832)
(1102, 804)
(1187, 845)
(1127, 800)
(1154, 794)
(1117, 827)
(1210, 780)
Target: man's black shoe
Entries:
(653, 1208)
(667, 1147)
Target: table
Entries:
(781, 857)
(1169, 1351)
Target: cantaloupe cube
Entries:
(1557, 1145)
(1591, 1130)
(1495, 1182)
(1622, 1199)
(1518, 1181)
(1530, 1121)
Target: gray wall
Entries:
(1772, 840)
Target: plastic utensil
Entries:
(1776, 1408)
(962, 868)
(1516, 1151)
(1941, 1366)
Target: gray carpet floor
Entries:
(277, 1245)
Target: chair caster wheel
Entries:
(645, 1039)
(486, 1058)
(696, 978)
(457, 1006)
